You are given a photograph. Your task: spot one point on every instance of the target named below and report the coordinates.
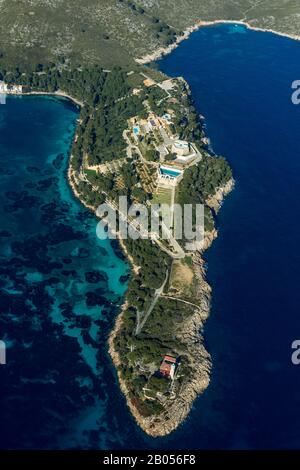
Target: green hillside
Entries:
(117, 31)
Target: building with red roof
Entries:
(168, 367)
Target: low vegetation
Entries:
(114, 32)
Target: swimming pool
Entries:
(136, 130)
(171, 172)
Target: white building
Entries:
(3, 87)
(181, 148)
(14, 89)
(167, 118)
(184, 151)
(17, 89)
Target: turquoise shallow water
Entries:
(60, 287)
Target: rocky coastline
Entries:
(191, 336)
(215, 201)
(163, 51)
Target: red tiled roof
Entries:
(165, 367)
(170, 359)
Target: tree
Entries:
(152, 155)
(158, 384)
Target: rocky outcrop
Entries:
(162, 51)
(215, 201)
(208, 239)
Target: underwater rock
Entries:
(93, 277)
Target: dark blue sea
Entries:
(241, 82)
(61, 286)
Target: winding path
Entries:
(158, 293)
(180, 300)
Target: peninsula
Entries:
(139, 136)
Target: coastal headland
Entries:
(139, 136)
(159, 408)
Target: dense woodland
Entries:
(200, 181)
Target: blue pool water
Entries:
(170, 172)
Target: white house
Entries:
(17, 89)
(3, 87)
(184, 151)
(181, 148)
(167, 117)
(14, 89)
